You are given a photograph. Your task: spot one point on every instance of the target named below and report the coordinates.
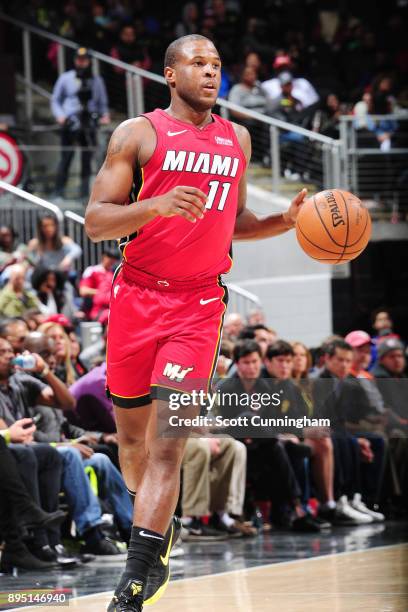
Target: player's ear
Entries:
(169, 75)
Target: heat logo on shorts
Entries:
(176, 372)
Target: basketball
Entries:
(333, 226)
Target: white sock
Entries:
(226, 519)
(186, 520)
(329, 505)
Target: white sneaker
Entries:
(347, 515)
(360, 506)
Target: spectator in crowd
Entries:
(207, 471)
(233, 324)
(11, 252)
(79, 102)
(303, 90)
(257, 316)
(15, 331)
(383, 327)
(270, 472)
(52, 292)
(40, 465)
(15, 299)
(189, 23)
(50, 249)
(95, 286)
(391, 375)
(64, 369)
(326, 119)
(129, 50)
(19, 513)
(249, 94)
(21, 394)
(316, 444)
(344, 401)
(224, 361)
(93, 409)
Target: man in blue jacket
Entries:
(79, 102)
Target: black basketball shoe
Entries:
(128, 598)
(159, 575)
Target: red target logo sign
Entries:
(11, 160)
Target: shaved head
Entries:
(174, 48)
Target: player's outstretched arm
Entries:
(247, 225)
(106, 218)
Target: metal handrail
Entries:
(32, 198)
(271, 121)
(403, 115)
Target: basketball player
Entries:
(168, 301)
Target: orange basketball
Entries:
(333, 226)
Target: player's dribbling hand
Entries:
(293, 210)
(187, 202)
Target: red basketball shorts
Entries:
(161, 338)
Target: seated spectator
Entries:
(15, 331)
(249, 94)
(52, 292)
(40, 467)
(207, 471)
(19, 513)
(64, 369)
(270, 472)
(233, 324)
(129, 50)
(342, 399)
(93, 409)
(49, 248)
(303, 90)
(189, 20)
(256, 316)
(391, 376)
(96, 284)
(22, 392)
(224, 361)
(383, 327)
(279, 363)
(15, 299)
(10, 251)
(326, 119)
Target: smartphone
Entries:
(35, 419)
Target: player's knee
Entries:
(167, 455)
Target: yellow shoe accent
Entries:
(158, 594)
(165, 559)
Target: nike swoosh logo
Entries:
(148, 535)
(165, 559)
(175, 133)
(204, 302)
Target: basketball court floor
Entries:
(363, 568)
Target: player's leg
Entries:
(131, 427)
(158, 485)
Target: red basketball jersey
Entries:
(210, 159)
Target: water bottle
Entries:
(26, 362)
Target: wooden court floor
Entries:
(370, 580)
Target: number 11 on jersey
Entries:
(214, 188)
